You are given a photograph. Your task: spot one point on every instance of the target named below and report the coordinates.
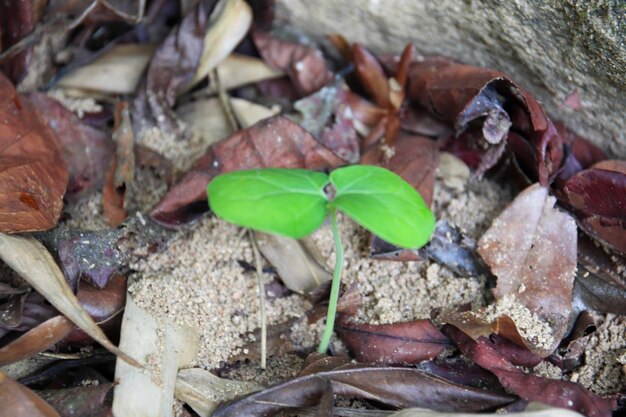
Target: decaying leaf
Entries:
(531, 248)
(461, 94)
(556, 393)
(117, 71)
(393, 344)
(33, 262)
(171, 68)
(299, 264)
(18, 401)
(393, 387)
(598, 197)
(104, 305)
(92, 401)
(90, 11)
(40, 338)
(86, 150)
(274, 142)
(33, 175)
(304, 65)
(593, 292)
(327, 115)
(166, 348)
(204, 391)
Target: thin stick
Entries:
(259, 276)
(334, 289)
(224, 98)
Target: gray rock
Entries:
(553, 48)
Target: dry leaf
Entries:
(531, 248)
(117, 71)
(18, 401)
(204, 392)
(81, 401)
(238, 70)
(86, 150)
(227, 26)
(36, 340)
(33, 175)
(393, 344)
(557, 393)
(304, 65)
(166, 348)
(299, 264)
(32, 261)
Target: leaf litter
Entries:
(471, 123)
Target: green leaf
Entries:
(289, 202)
(383, 203)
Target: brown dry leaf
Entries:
(40, 338)
(274, 142)
(94, 11)
(299, 263)
(372, 76)
(531, 248)
(166, 348)
(557, 393)
(393, 387)
(33, 175)
(393, 344)
(117, 71)
(18, 401)
(86, 150)
(32, 261)
(304, 65)
(81, 401)
(171, 68)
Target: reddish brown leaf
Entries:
(273, 142)
(171, 68)
(371, 75)
(90, 11)
(531, 248)
(36, 340)
(113, 204)
(598, 197)
(563, 394)
(103, 305)
(304, 65)
(17, 19)
(393, 344)
(86, 150)
(393, 387)
(461, 94)
(33, 175)
(18, 401)
(91, 401)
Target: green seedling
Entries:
(295, 202)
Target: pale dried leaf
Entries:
(166, 347)
(32, 261)
(204, 391)
(238, 70)
(227, 27)
(249, 113)
(117, 71)
(531, 248)
(298, 262)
